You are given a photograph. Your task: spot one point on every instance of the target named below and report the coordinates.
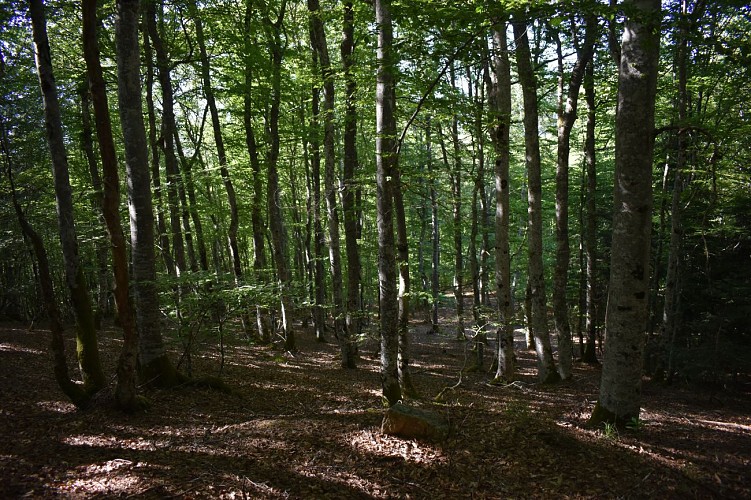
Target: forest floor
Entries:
(299, 426)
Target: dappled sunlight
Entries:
(17, 348)
(117, 477)
(373, 442)
(57, 406)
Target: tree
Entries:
(538, 323)
(125, 392)
(499, 96)
(155, 366)
(87, 347)
(567, 114)
(385, 162)
(626, 318)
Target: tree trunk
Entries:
(349, 183)
(435, 283)
(76, 393)
(167, 141)
(538, 321)
(125, 393)
(456, 196)
(567, 114)
(256, 216)
(164, 242)
(86, 340)
(155, 366)
(385, 163)
(499, 96)
(626, 318)
(590, 239)
(276, 222)
(318, 42)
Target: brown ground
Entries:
(301, 427)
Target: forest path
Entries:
(298, 426)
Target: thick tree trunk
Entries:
(125, 393)
(538, 323)
(87, 347)
(499, 96)
(567, 114)
(349, 183)
(385, 162)
(626, 318)
(155, 366)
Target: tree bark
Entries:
(86, 340)
(276, 222)
(385, 162)
(76, 393)
(567, 114)
(590, 239)
(256, 215)
(456, 195)
(538, 318)
(435, 283)
(626, 317)
(499, 96)
(155, 367)
(349, 184)
(331, 182)
(126, 394)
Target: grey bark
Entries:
(385, 161)
(499, 97)
(538, 323)
(626, 317)
(590, 228)
(87, 347)
(155, 367)
(567, 114)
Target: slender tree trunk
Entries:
(192, 203)
(125, 393)
(456, 195)
(590, 240)
(318, 42)
(538, 321)
(164, 243)
(626, 318)
(402, 258)
(567, 114)
(319, 283)
(435, 284)
(256, 215)
(96, 201)
(155, 366)
(349, 183)
(499, 96)
(385, 162)
(87, 347)
(276, 222)
(167, 140)
(76, 393)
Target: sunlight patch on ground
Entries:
(101, 441)
(112, 478)
(18, 348)
(57, 406)
(725, 426)
(374, 443)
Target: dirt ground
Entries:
(298, 426)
